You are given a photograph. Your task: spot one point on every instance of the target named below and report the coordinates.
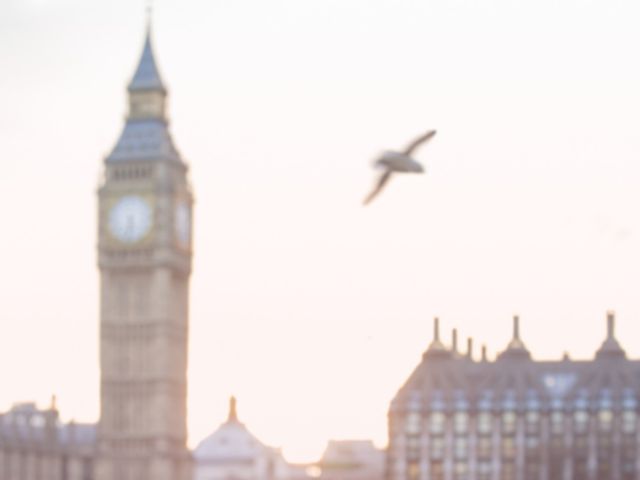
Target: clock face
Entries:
(130, 219)
(183, 223)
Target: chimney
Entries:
(454, 340)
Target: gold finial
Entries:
(233, 412)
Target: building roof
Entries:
(147, 75)
(144, 139)
(514, 380)
(25, 423)
(351, 454)
(147, 138)
(232, 442)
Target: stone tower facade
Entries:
(144, 256)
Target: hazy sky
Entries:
(310, 308)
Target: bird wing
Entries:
(384, 178)
(418, 141)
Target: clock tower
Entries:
(144, 256)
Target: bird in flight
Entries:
(398, 162)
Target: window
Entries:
(437, 448)
(413, 423)
(508, 471)
(484, 447)
(414, 471)
(460, 447)
(580, 421)
(485, 471)
(532, 420)
(484, 422)
(629, 421)
(437, 471)
(532, 442)
(460, 469)
(557, 423)
(605, 420)
(508, 447)
(509, 422)
(436, 422)
(460, 422)
(413, 447)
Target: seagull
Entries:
(399, 162)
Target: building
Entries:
(232, 452)
(351, 460)
(35, 445)
(144, 257)
(515, 418)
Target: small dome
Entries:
(231, 442)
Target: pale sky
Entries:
(310, 308)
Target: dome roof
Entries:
(231, 442)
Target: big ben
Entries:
(144, 255)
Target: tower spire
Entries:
(516, 343)
(610, 347)
(436, 345)
(516, 347)
(149, 14)
(147, 76)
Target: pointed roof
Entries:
(145, 139)
(147, 76)
(610, 348)
(148, 140)
(436, 348)
(516, 347)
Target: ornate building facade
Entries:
(144, 256)
(35, 445)
(515, 418)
